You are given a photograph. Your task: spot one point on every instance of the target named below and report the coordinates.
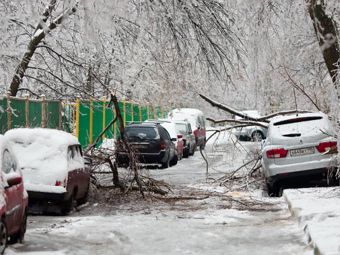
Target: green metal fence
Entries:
(84, 118)
(93, 117)
(25, 112)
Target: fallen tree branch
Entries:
(245, 122)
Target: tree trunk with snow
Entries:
(325, 29)
(40, 32)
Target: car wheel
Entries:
(257, 136)
(3, 236)
(68, 205)
(20, 235)
(193, 151)
(165, 164)
(174, 161)
(274, 190)
(186, 152)
(84, 199)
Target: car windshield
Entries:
(141, 132)
(297, 120)
(181, 128)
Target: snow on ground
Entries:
(198, 217)
(318, 211)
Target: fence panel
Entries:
(84, 124)
(97, 120)
(53, 114)
(35, 114)
(3, 115)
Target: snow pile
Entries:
(318, 210)
(42, 156)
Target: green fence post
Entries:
(104, 115)
(9, 112)
(43, 111)
(27, 111)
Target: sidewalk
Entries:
(318, 212)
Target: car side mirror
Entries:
(14, 180)
(179, 136)
(173, 139)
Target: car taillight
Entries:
(162, 146)
(328, 147)
(58, 183)
(277, 153)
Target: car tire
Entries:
(85, 198)
(166, 164)
(174, 161)
(20, 235)
(3, 236)
(257, 136)
(274, 190)
(193, 151)
(186, 152)
(68, 205)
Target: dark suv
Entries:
(151, 144)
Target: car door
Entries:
(13, 191)
(165, 137)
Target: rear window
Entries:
(141, 132)
(297, 120)
(181, 128)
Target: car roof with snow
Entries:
(50, 137)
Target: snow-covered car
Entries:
(250, 133)
(298, 147)
(189, 143)
(13, 198)
(151, 143)
(52, 165)
(197, 120)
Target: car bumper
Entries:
(320, 167)
(147, 158)
(46, 197)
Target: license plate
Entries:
(139, 146)
(302, 152)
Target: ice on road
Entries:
(210, 224)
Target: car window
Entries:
(297, 120)
(141, 132)
(189, 128)
(163, 133)
(70, 152)
(181, 128)
(8, 162)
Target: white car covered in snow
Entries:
(52, 165)
(298, 147)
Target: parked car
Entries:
(250, 133)
(197, 120)
(176, 136)
(298, 147)
(52, 165)
(189, 143)
(151, 143)
(13, 198)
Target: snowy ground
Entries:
(318, 212)
(199, 217)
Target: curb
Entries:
(295, 214)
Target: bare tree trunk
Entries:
(325, 29)
(38, 36)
